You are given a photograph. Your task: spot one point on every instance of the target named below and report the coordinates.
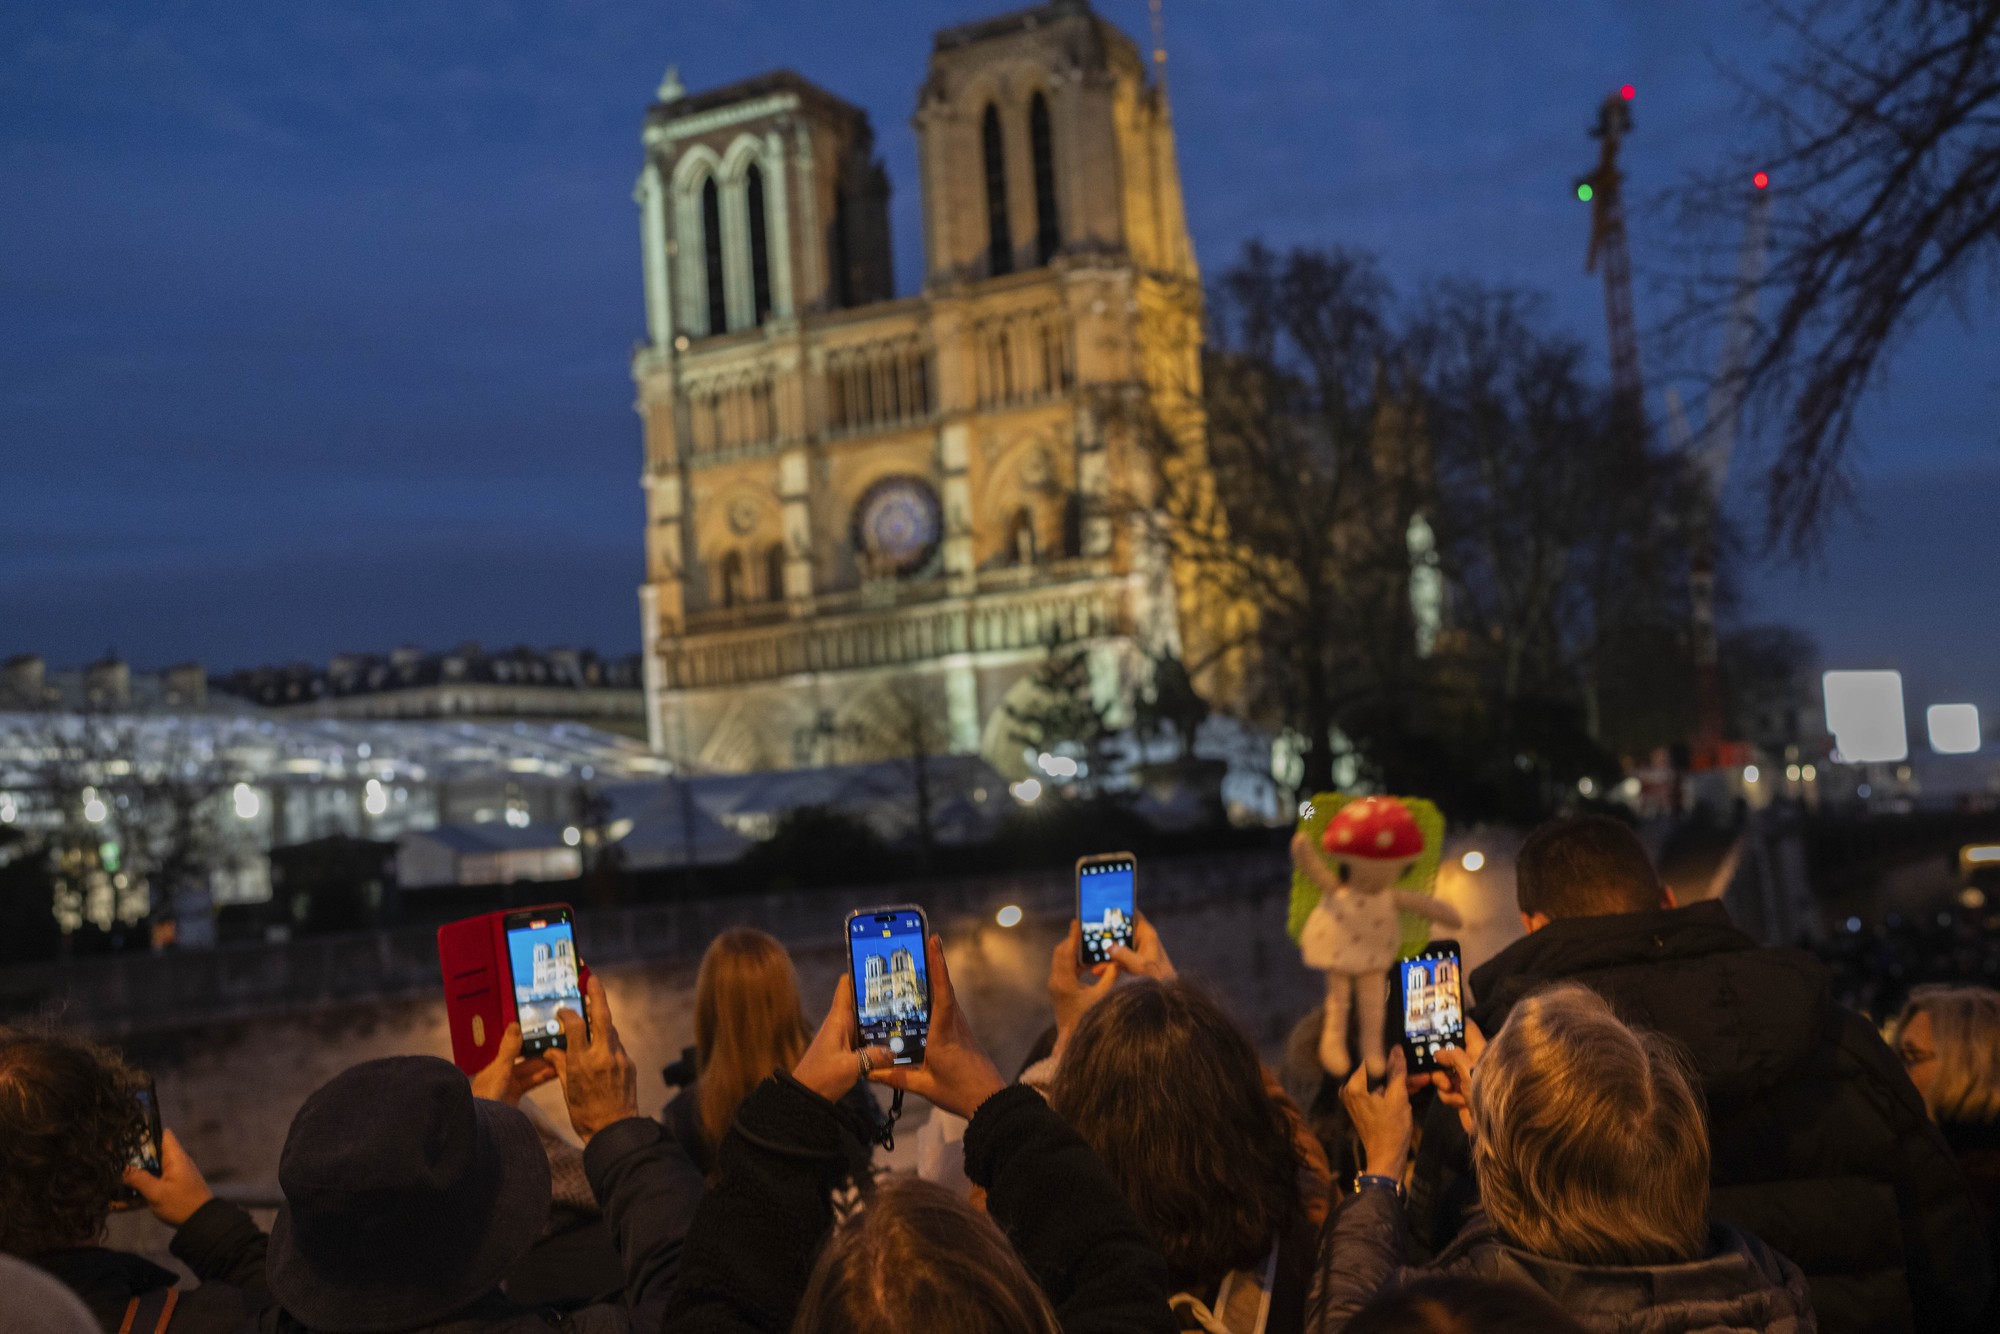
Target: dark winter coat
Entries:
(763, 1223)
(1977, 1147)
(649, 1191)
(1821, 1147)
(1741, 1284)
(860, 1111)
(219, 1242)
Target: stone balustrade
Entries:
(1023, 619)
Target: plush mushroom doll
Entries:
(1353, 933)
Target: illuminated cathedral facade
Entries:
(854, 501)
(890, 987)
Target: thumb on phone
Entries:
(493, 1082)
(178, 1191)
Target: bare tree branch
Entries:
(1881, 135)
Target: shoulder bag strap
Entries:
(149, 1314)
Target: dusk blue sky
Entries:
(314, 319)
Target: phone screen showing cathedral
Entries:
(1104, 907)
(1433, 1009)
(543, 958)
(892, 991)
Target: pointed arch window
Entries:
(774, 572)
(760, 249)
(1072, 534)
(1048, 227)
(732, 579)
(711, 247)
(999, 239)
(1023, 548)
(837, 250)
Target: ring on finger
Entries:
(867, 1062)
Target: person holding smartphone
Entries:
(74, 1125)
(1590, 1144)
(409, 1200)
(1078, 1259)
(749, 1024)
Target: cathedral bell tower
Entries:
(1039, 134)
(859, 505)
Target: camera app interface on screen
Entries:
(1433, 1017)
(1104, 908)
(892, 990)
(543, 956)
(145, 1156)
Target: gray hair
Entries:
(1590, 1141)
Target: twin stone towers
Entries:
(868, 517)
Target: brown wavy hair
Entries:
(1590, 1142)
(920, 1258)
(69, 1122)
(748, 1024)
(1160, 1081)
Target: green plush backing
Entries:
(1421, 878)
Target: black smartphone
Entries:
(892, 987)
(1107, 905)
(1432, 1004)
(541, 954)
(146, 1153)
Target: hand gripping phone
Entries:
(502, 966)
(1107, 905)
(1432, 1004)
(892, 989)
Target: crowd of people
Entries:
(1654, 1124)
(1876, 966)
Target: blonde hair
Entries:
(921, 1258)
(1590, 1143)
(1965, 1028)
(747, 1022)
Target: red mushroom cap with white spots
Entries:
(1376, 829)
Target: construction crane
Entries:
(1603, 191)
(1711, 452)
(1159, 27)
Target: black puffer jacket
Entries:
(754, 1241)
(860, 1113)
(1821, 1145)
(1740, 1285)
(649, 1192)
(219, 1242)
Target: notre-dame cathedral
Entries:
(854, 500)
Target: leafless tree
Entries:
(1171, 704)
(906, 721)
(1880, 131)
(1564, 537)
(1291, 495)
(1350, 448)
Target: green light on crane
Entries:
(1584, 192)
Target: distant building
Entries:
(106, 686)
(851, 495)
(552, 685)
(254, 782)
(967, 798)
(492, 854)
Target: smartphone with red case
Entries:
(479, 992)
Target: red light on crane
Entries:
(1628, 92)
(1760, 180)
